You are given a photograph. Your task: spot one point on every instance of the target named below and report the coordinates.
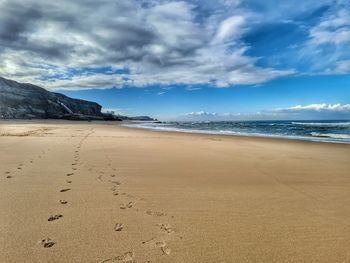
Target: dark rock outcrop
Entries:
(26, 101)
(141, 118)
(137, 118)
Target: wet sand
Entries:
(97, 192)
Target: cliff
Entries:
(25, 101)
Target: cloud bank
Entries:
(87, 44)
(312, 112)
(319, 107)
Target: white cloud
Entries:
(334, 29)
(342, 67)
(233, 3)
(230, 29)
(327, 49)
(160, 43)
(320, 107)
(312, 112)
(190, 88)
(201, 113)
(213, 116)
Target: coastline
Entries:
(134, 125)
(237, 134)
(180, 197)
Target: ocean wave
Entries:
(314, 136)
(323, 124)
(331, 135)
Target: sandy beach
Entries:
(98, 192)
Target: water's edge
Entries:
(316, 131)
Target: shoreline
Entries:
(130, 125)
(262, 136)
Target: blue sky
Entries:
(171, 102)
(183, 59)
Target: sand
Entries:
(97, 192)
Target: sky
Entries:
(185, 60)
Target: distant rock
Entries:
(27, 101)
(141, 118)
(130, 118)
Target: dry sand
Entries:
(96, 192)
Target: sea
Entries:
(321, 131)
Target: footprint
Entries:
(55, 217)
(147, 241)
(160, 244)
(118, 226)
(166, 250)
(155, 213)
(64, 190)
(63, 202)
(167, 228)
(128, 257)
(70, 174)
(7, 172)
(128, 205)
(69, 181)
(47, 242)
(9, 176)
(112, 175)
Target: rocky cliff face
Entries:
(24, 101)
